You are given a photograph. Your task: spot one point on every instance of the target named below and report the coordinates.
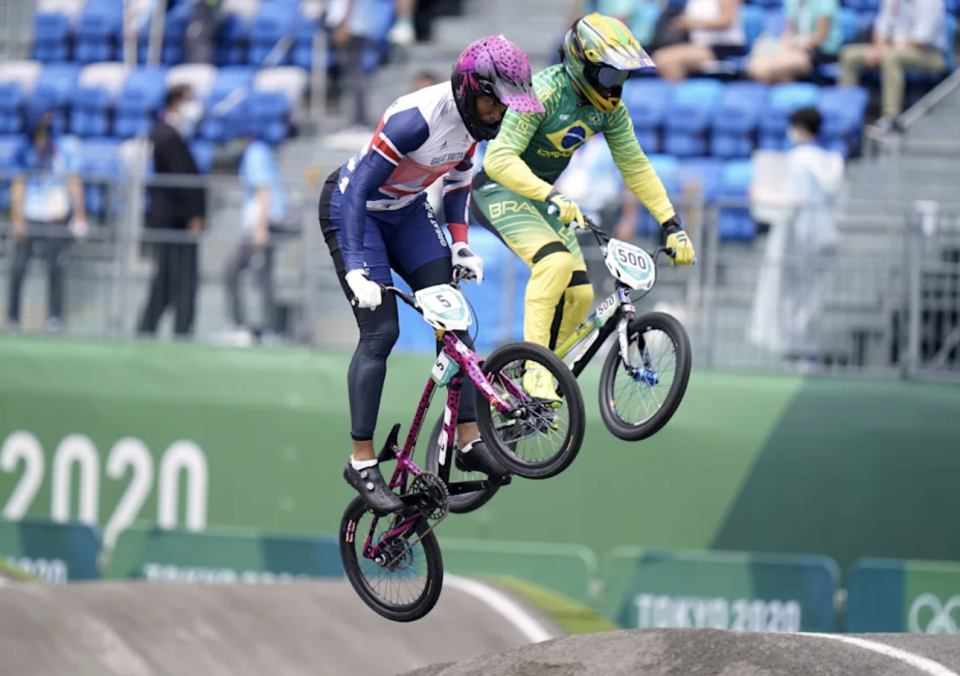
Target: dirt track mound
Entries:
(318, 628)
(710, 652)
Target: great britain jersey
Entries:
(419, 139)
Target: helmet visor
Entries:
(520, 98)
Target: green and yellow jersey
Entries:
(532, 149)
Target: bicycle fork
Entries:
(635, 371)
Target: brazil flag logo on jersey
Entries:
(571, 138)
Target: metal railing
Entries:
(890, 298)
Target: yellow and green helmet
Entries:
(598, 53)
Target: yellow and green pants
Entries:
(559, 293)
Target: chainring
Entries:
(434, 500)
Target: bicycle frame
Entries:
(616, 311)
(469, 363)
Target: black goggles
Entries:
(606, 76)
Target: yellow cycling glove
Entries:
(683, 253)
(569, 211)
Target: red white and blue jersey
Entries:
(423, 137)
(420, 138)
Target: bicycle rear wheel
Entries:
(422, 562)
(507, 436)
(634, 418)
(464, 502)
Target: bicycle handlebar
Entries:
(604, 237)
(460, 273)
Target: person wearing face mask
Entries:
(44, 199)
(178, 212)
(803, 236)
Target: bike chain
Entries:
(434, 481)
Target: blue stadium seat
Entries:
(98, 32)
(270, 111)
(303, 45)
(9, 145)
(753, 19)
(646, 100)
(90, 112)
(707, 172)
(843, 110)
(101, 172)
(202, 152)
(863, 5)
(774, 21)
(737, 118)
(230, 82)
(693, 104)
(735, 222)
(139, 102)
(232, 36)
(12, 102)
(53, 91)
(275, 20)
(51, 37)
(174, 28)
(783, 99)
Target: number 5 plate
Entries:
(444, 307)
(631, 265)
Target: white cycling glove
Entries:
(462, 256)
(366, 292)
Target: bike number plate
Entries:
(444, 369)
(631, 265)
(444, 307)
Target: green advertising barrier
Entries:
(221, 556)
(918, 597)
(193, 436)
(722, 590)
(54, 552)
(568, 569)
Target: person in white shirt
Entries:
(907, 35)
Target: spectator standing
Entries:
(46, 196)
(812, 36)
(352, 24)
(404, 32)
(177, 213)
(788, 304)
(715, 32)
(907, 35)
(200, 40)
(265, 215)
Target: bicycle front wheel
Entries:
(546, 439)
(637, 406)
(382, 586)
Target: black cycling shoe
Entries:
(480, 459)
(372, 488)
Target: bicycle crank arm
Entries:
(461, 487)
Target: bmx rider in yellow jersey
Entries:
(513, 192)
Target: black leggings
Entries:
(379, 330)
